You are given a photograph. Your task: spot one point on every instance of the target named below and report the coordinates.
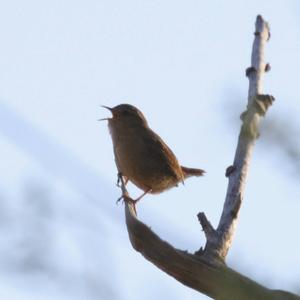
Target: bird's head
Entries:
(126, 113)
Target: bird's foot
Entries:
(125, 197)
(129, 201)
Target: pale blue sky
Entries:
(182, 64)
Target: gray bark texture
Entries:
(206, 270)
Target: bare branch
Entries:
(205, 271)
(197, 272)
(237, 173)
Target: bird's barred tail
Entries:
(188, 172)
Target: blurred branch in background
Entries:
(48, 232)
(54, 158)
(282, 135)
(35, 225)
(41, 241)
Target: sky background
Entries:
(183, 64)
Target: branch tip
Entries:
(260, 27)
(206, 225)
(259, 17)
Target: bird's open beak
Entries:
(110, 109)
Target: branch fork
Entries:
(206, 271)
(218, 243)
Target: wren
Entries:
(141, 156)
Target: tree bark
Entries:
(213, 279)
(219, 240)
(206, 271)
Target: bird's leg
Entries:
(125, 198)
(140, 197)
(119, 176)
(122, 181)
(119, 181)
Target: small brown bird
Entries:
(141, 155)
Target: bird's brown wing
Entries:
(158, 151)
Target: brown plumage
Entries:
(141, 155)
